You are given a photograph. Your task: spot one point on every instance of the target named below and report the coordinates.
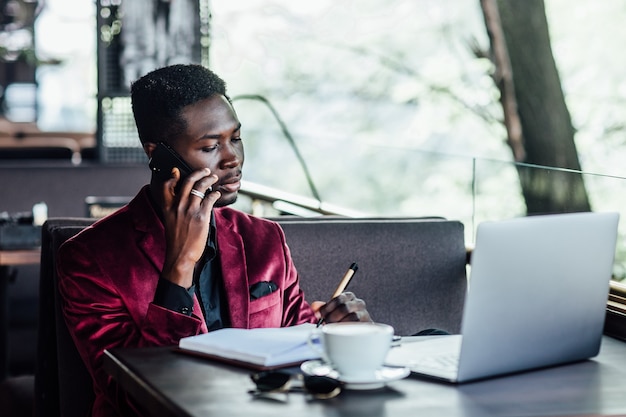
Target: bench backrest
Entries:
(411, 275)
(412, 272)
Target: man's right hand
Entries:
(187, 218)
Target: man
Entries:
(176, 261)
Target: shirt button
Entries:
(185, 310)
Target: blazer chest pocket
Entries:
(266, 311)
(265, 302)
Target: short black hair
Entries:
(159, 97)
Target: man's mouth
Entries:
(231, 185)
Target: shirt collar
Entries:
(212, 241)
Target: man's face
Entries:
(213, 140)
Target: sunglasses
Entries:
(320, 387)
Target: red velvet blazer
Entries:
(108, 274)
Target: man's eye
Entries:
(209, 148)
(238, 139)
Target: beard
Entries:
(226, 200)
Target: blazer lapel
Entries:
(234, 273)
(151, 239)
(149, 229)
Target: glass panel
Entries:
(388, 181)
(498, 195)
(370, 180)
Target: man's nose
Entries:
(231, 156)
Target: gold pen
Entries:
(343, 284)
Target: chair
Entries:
(412, 271)
(100, 206)
(63, 387)
(35, 147)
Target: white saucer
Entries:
(382, 376)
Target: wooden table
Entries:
(19, 257)
(172, 384)
(9, 259)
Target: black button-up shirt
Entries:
(208, 287)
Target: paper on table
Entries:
(264, 348)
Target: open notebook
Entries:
(537, 297)
(266, 348)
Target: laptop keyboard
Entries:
(446, 362)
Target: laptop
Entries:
(537, 294)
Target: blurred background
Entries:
(470, 110)
(373, 107)
(369, 90)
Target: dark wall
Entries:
(64, 188)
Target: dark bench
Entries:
(411, 271)
(411, 274)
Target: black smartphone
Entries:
(164, 158)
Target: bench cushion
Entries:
(411, 271)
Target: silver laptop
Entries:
(537, 297)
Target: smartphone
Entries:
(164, 158)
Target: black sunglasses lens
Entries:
(270, 381)
(322, 385)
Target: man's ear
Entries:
(148, 148)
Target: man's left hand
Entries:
(345, 307)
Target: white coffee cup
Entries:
(355, 350)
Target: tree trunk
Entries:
(547, 134)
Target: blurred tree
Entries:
(537, 120)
